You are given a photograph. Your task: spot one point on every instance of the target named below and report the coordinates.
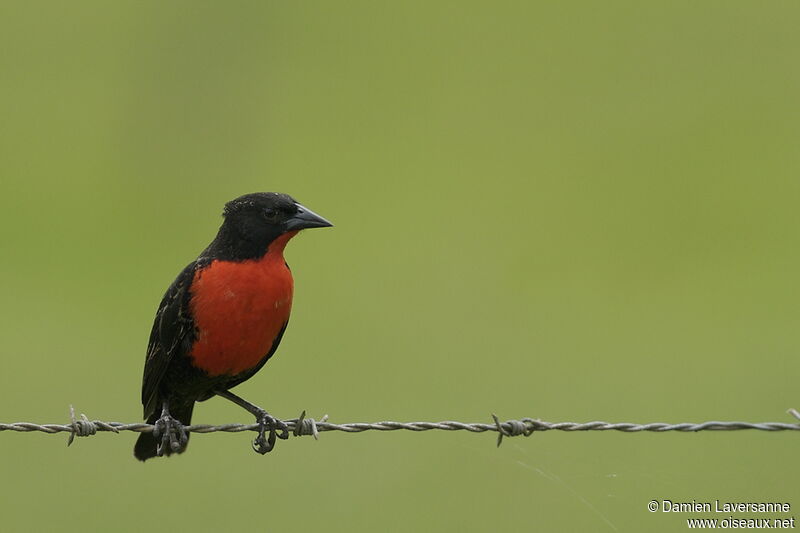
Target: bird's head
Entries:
(253, 221)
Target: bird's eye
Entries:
(270, 214)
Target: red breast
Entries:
(239, 309)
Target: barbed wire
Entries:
(303, 425)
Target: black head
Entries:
(254, 220)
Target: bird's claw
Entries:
(266, 422)
(170, 433)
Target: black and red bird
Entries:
(221, 320)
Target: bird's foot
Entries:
(266, 422)
(171, 433)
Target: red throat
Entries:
(276, 247)
(240, 309)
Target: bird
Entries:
(221, 320)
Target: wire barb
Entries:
(304, 425)
(513, 428)
(82, 428)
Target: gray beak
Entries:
(306, 218)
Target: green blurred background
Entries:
(567, 211)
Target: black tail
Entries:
(146, 444)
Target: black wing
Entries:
(173, 332)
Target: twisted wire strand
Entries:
(83, 427)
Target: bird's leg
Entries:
(170, 431)
(261, 444)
